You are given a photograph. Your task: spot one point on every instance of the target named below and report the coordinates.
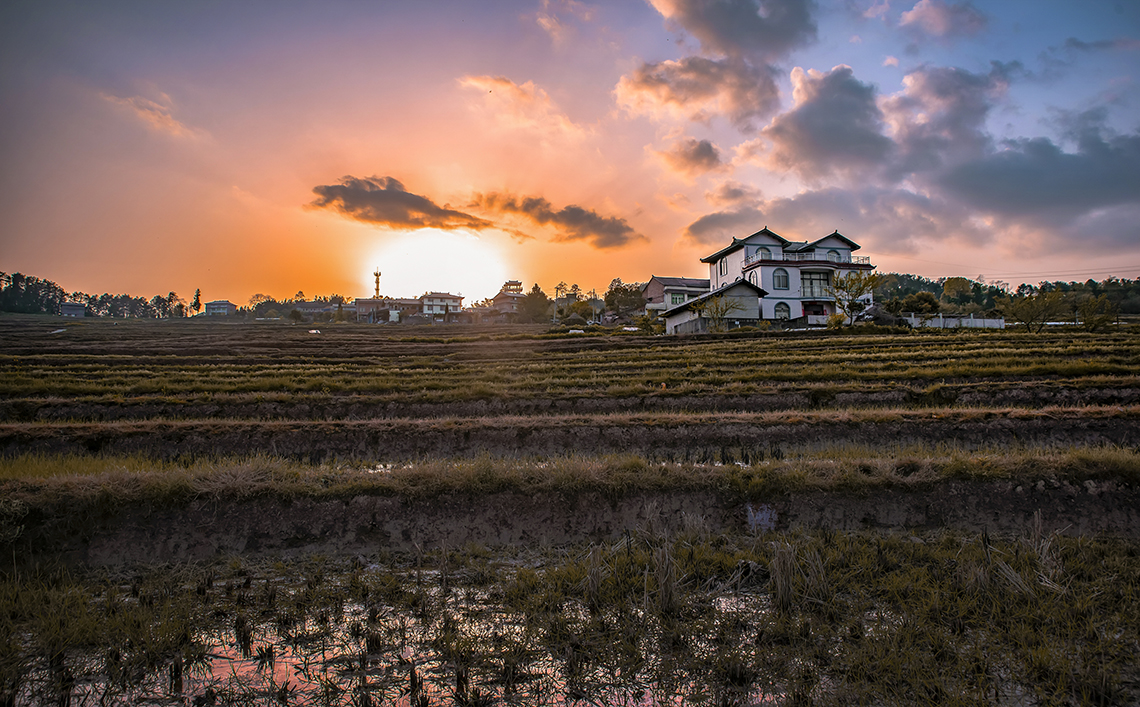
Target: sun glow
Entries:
(437, 261)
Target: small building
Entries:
(739, 302)
(662, 293)
(73, 309)
(220, 308)
(441, 306)
(510, 297)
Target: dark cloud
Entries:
(763, 30)
(835, 125)
(885, 219)
(701, 88)
(693, 157)
(940, 19)
(384, 201)
(1035, 179)
(733, 193)
(1074, 44)
(573, 223)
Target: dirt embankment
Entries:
(365, 407)
(365, 524)
(724, 437)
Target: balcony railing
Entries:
(806, 257)
(820, 292)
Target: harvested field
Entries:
(477, 516)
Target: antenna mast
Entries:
(377, 274)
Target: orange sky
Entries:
(277, 147)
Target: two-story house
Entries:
(662, 293)
(441, 306)
(510, 298)
(797, 275)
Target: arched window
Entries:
(833, 256)
(752, 277)
(764, 254)
(780, 279)
(783, 311)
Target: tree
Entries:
(623, 299)
(917, 303)
(1034, 311)
(296, 315)
(299, 297)
(575, 292)
(851, 290)
(196, 303)
(1095, 313)
(258, 299)
(957, 290)
(559, 290)
(717, 309)
(535, 305)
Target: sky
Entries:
(257, 147)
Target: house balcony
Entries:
(805, 258)
(816, 293)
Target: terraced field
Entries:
(524, 517)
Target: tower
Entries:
(377, 274)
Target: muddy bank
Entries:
(726, 438)
(367, 524)
(361, 407)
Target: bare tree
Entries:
(1034, 311)
(850, 291)
(717, 309)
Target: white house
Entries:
(797, 275)
(220, 307)
(692, 316)
(662, 293)
(440, 305)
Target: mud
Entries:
(725, 438)
(362, 407)
(206, 530)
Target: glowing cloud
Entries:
(938, 19)
(523, 107)
(693, 157)
(157, 116)
(573, 223)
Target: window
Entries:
(833, 256)
(764, 254)
(815, 284)
(722, 266)
(677, 298)
(783, 311)
(780, 279)
(752, 277)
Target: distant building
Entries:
(510, 298)
(441, 306)
(73, 309)
(380, 310)
(662, 293)
(220, 307)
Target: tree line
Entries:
(32, 295)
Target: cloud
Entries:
(891, 61)
(697, 88)
(939, 117)
(551, 18)
(733, 193)
(759, 29)
(939, 19)
(885, 219)
(157, 116)
(879, 9)
(384, 201)
(523, 107)
(1124, 43)
(1034, 179)
(692, 157)
(835, 125)
(573, 223)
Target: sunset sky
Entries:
(270, 147)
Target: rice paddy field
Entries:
(201, 512)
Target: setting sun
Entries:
(441, 261)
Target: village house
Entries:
(73, 309)
(510, 298)
(798, 275)
(662, 293)
(730, 306)
(441, 306)
(220, 307)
